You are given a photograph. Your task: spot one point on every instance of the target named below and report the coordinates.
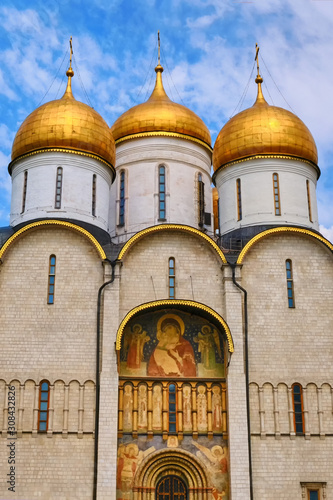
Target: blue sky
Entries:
(207, 50)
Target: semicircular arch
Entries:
(53, 222)
(282, 229)
(181, 304)
(171, 462)
(171, 227)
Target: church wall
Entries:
(140, 160)
(57, 464)
(291, 344)
(144, 275)
(45, 339)
(287, 346)
(52, 469)
(257, 196)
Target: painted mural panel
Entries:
(171, 344)
(211, 453)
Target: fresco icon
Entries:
(171, 344)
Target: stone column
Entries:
(236, 387)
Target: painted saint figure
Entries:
(173, 355)
(217, 462)
(128, 407)
(217, 408)
(135, 341)
(209, 342)
(142, 423)
(202, 408)
(129, 457)
(157, 407)
(187, 408)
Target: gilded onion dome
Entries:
(160, 116)
(65, 124)
(263, 130)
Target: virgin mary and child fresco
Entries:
(156, 346)
(173, 356)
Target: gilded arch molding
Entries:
(171, 227)
(174, 462)
(283, 229)
(172, 303)
(53, 222)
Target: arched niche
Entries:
(173, 339)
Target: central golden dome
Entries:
(160, 116)
(263, 130)
(62, 125)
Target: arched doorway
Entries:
(171, 488)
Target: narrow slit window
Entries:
(51, 285)
(24, 194)
(309, 200)
(172, 409)
(172, 278)
(290, 284)
(239, 199)
(161, 193)
(276, 190)
(58, 188)
(43, 410)
(93, 196)
(298, 409)
(122, 200)
(201, 201)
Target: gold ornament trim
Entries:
(175, 303)
(284, 229)
(171, 227)
(62, 150)
(265, 156)
(53, 222)
(166, 134)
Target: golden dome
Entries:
(160, 116)
(65, 124)
(263, 130)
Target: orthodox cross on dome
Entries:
(258, 79)
(70, 71)
(159, 47)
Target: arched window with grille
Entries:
(58, 192)
(122, 199)
(172, 413)
(43, 409)
(298, 408)
(276, 190)
(239, 199)
(309, 200)
(172, 278)
(24, 194)
(171, 488)
(290, 284)
(201, 201)
(93, 196)
(161, 193)
(51, 283)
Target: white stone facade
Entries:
(257, 194)
(76, 197)
(140, 160)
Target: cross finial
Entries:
(71, 52)
(159, 47)
(70, 72)
(257, 59)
